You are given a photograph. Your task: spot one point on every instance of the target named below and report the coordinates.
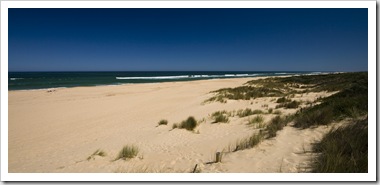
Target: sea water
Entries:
(43, 80)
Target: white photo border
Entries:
(370, 176)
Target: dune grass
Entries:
(256, 120)
(243, 93)
(98, 152)
(189, 124)
(247, 112)
(348, 103)
(343, 150)
(283, 100)
(249, 142)
(220, 117)
(163, 122)
(288, 86)
(277, 123)
(289, 105)
(128, 152)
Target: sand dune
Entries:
(56, 131)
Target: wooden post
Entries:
(195, 168)
(218, 157)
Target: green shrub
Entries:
(128, 152)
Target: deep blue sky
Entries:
(188, 39)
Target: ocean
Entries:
(46, 80)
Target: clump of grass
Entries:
(247, 112)
(249, 142)
(289, 105)
(270, 111)
(128, 152)
(277, 123)
(278, 112)
(220, 117)
(189, 124)
(163, 122)
(98, 152)
(283, 100)
(344, 150)
(256, 120)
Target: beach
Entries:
(58, 130)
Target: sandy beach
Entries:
(56, 131)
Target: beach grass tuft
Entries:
(256, 120)
(163, 122)
(270, 111)
(283, 100)
(277, 123)
(189, 124)
(128, 152)
(98, 152)
(247, 112)
(289, 105)
(220, 117)
(249, 142)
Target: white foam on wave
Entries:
(182, 77)
(282, 73)
(151, 77)
(16, 78)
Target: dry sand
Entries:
(56, 131)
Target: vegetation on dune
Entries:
(289, 105)
(255, 120)
(249, 142)
(189, 124)
(98, 152)
(343, 150)
(287, 86)
(128, 152)
(243, 93)
(247, 112)
(283, 100)
(163, 122)
(277, 123)
(220, 117)
(348, 103)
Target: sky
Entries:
(225, 39)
